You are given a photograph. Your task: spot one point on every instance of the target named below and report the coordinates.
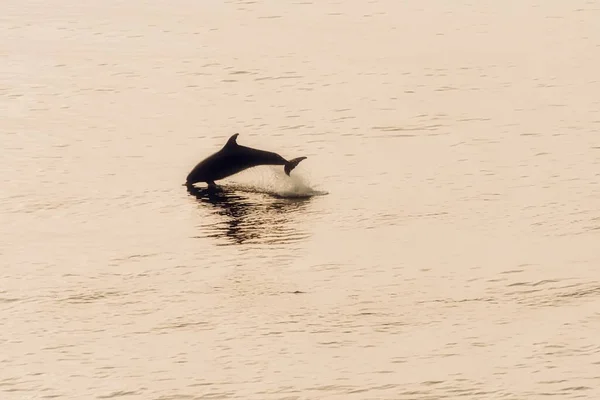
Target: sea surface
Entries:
(441, 240)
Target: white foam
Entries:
(274, 181)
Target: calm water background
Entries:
(456, 255)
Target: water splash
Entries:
(275, 182)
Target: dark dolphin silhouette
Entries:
(233, 158)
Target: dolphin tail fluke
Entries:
(290, 165)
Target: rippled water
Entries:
(453, 251)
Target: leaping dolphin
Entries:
(233, 158)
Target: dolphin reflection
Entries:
(255, 218)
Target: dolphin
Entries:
(233, 158)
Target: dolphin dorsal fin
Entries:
(232, 142)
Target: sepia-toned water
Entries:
(453, 251)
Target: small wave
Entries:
(261, 209)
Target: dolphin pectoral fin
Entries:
(213, 188)
(290, 165)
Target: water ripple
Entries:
(250, 218)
